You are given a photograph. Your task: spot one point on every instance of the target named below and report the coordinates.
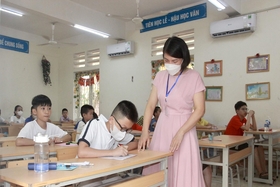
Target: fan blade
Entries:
(46, 37)
(72, 44)
(43, 44)
(116, 16)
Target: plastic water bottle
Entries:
(41, 153)
(266, 125)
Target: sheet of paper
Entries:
(119, 157)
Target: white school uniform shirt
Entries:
(32, 128)
(80, 127)
(97, 136)
(14, 119)
(2, 120)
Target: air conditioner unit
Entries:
(120, 49)
(237, 25)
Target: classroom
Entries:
(129, 77)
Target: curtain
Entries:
(86, 90)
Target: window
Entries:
(87, 59)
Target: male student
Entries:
(238, 124)
(42, 109)
(87, 112)
(108, 137)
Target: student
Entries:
(107, 137)
(2, 120)
(203, 124)
(64, 118)
(237, 125)
(156, 114)
(87, 114)
(178, 90)
(42, 109)
(31, 117)
(17, 119)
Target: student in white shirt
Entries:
(87, 114)
(17, 119)
(2, 120)
(105, 137)
(108, 137)
(42, 109)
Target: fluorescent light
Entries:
(219, 5)
(11, 12)
(105, 35)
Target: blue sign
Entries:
(14, 44)
(174, 18)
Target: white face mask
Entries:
(19, 113)
(116, 133)
(172, 68)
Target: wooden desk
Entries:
(102, 167)
(273, 139)
(225, 142)
(7, 139)
(220, 131)
(12, 153)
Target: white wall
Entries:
(116, 73)
(21, 75)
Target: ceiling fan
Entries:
(52, 41)
(137, 19)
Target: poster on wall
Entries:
(14, 44)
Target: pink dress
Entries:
(184, 167)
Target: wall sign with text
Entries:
(14, 44)
(174, 18)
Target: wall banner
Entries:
(174, 18)
(14, 44)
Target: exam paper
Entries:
(119, 157)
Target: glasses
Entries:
(122, 129)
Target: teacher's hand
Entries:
(144, 141)
(176, 141)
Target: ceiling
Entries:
(38, 15)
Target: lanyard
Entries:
(168, 91)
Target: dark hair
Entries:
(177, 47)
(41, 100)
(239, 104)
(65, 109)
(85, 109)
(157, 108)
(31, 109)
(126, 109)
(16, 109)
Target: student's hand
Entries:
(144, 141)
(121, 151)
(58, 140)
(251, 113)
(176, 141)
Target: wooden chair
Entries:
(67, 153)
(14, 130)
(9, 144)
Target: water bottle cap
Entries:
(39, 138)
